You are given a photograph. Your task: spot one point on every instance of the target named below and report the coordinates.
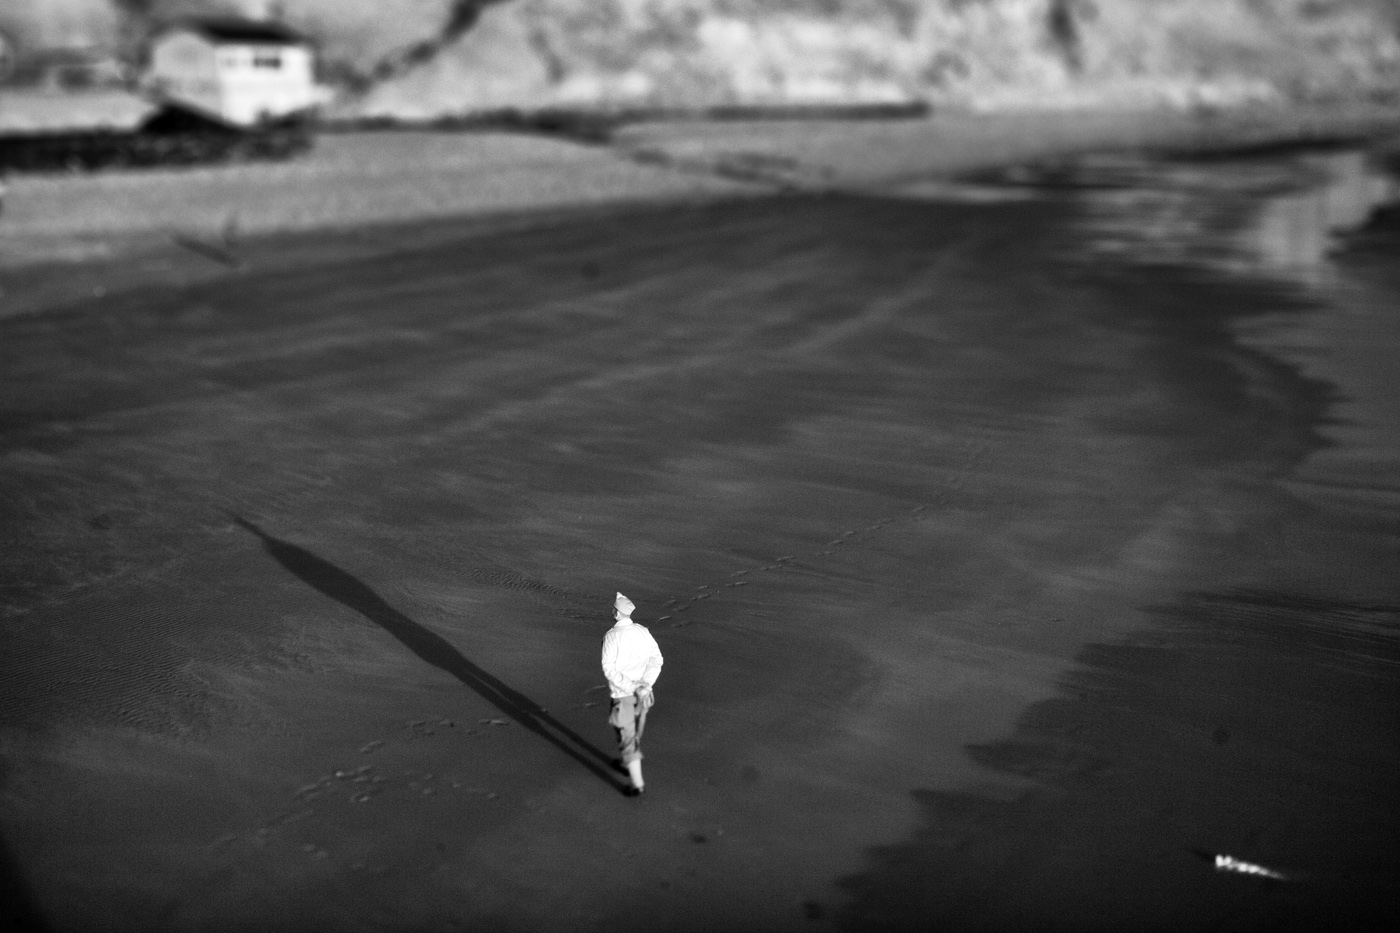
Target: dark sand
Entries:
(1003, 568)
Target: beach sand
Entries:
(1000, 580)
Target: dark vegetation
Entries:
(598, 125)
(170, 136)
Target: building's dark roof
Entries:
(230, 29)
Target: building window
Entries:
(269, 60)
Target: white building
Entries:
(238, 70)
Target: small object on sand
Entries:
(207, 250)
(493, 722)
(289, 817)
(1230, 863)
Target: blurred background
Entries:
(421, 59)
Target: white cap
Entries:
(623, 605)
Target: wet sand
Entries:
(975, 547)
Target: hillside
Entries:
(986, 53)
(429, 57)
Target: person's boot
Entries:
(634, 770)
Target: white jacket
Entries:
(631, 658)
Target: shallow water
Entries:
(1256, 716)
(1323, 224)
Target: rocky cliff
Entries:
(423, 58)
(989, 53)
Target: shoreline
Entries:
(386, 180)
(487, 432)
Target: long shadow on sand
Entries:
(344, 588)
(18, 912)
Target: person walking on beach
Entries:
(631, 663)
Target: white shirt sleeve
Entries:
(612, 666)
(651, 660)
